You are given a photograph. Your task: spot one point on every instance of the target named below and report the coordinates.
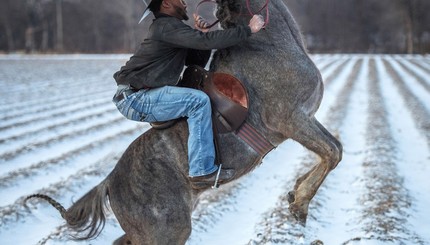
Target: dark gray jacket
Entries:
(170, 45)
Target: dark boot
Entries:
(205, 181)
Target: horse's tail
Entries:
(86, 215)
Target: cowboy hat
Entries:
(150, 5)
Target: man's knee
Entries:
(201, 95)
(201, 98)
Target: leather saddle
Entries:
(228, 96)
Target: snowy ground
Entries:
(60, 135)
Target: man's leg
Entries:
(167, 103)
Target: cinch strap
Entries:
(254, 139)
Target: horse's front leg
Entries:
(311, 134)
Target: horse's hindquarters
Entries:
(148, 190)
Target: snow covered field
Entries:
(60, 135)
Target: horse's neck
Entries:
(280, 42)
(271, 61)
(280, 39)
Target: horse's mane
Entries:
(226, 12)
(229, 10)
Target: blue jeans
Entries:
(170, 102)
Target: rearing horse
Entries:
(149, 191)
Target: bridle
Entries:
(248, 7)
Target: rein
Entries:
(265, 6)
(248, 7)
(207, 1)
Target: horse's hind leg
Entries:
(165, 229)
(151, 212)
(311, 134)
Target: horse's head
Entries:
(228, 12)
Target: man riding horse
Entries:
(149, 190)
(147, 84)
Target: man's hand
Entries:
(200, 23)
(256, 23)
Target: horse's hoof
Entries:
(317, 242)
(291, 197)
(298, 214)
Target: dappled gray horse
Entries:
(149, 191)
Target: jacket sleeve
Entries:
(183, 36)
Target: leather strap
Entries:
(197, 11)
(265, 6)
(254, 139)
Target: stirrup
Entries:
(216, 185)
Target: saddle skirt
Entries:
(229, 98)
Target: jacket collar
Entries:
(161, 15)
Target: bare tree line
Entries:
(374, 26)
(94, 26)
(101, 26)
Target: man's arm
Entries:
(184, 36)
(256, 23)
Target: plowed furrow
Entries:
(62, 159)
(29, 102)
(21, 73)
(334, 85)
(334, 73)
(16, 211)
(412, 154)
(205, 212)
(422, 62)
(15, 133)
(26, 86)
(39, 107)
(236, 202)
(55, 114)
(335, 116)
(325, 65)
(50, 92)
(61, 235)
(278, 226)
(423, 80)
(419, 63)
(386, 201)
(45, 131)
(336, 198)
(417, 109)
(36, 145)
